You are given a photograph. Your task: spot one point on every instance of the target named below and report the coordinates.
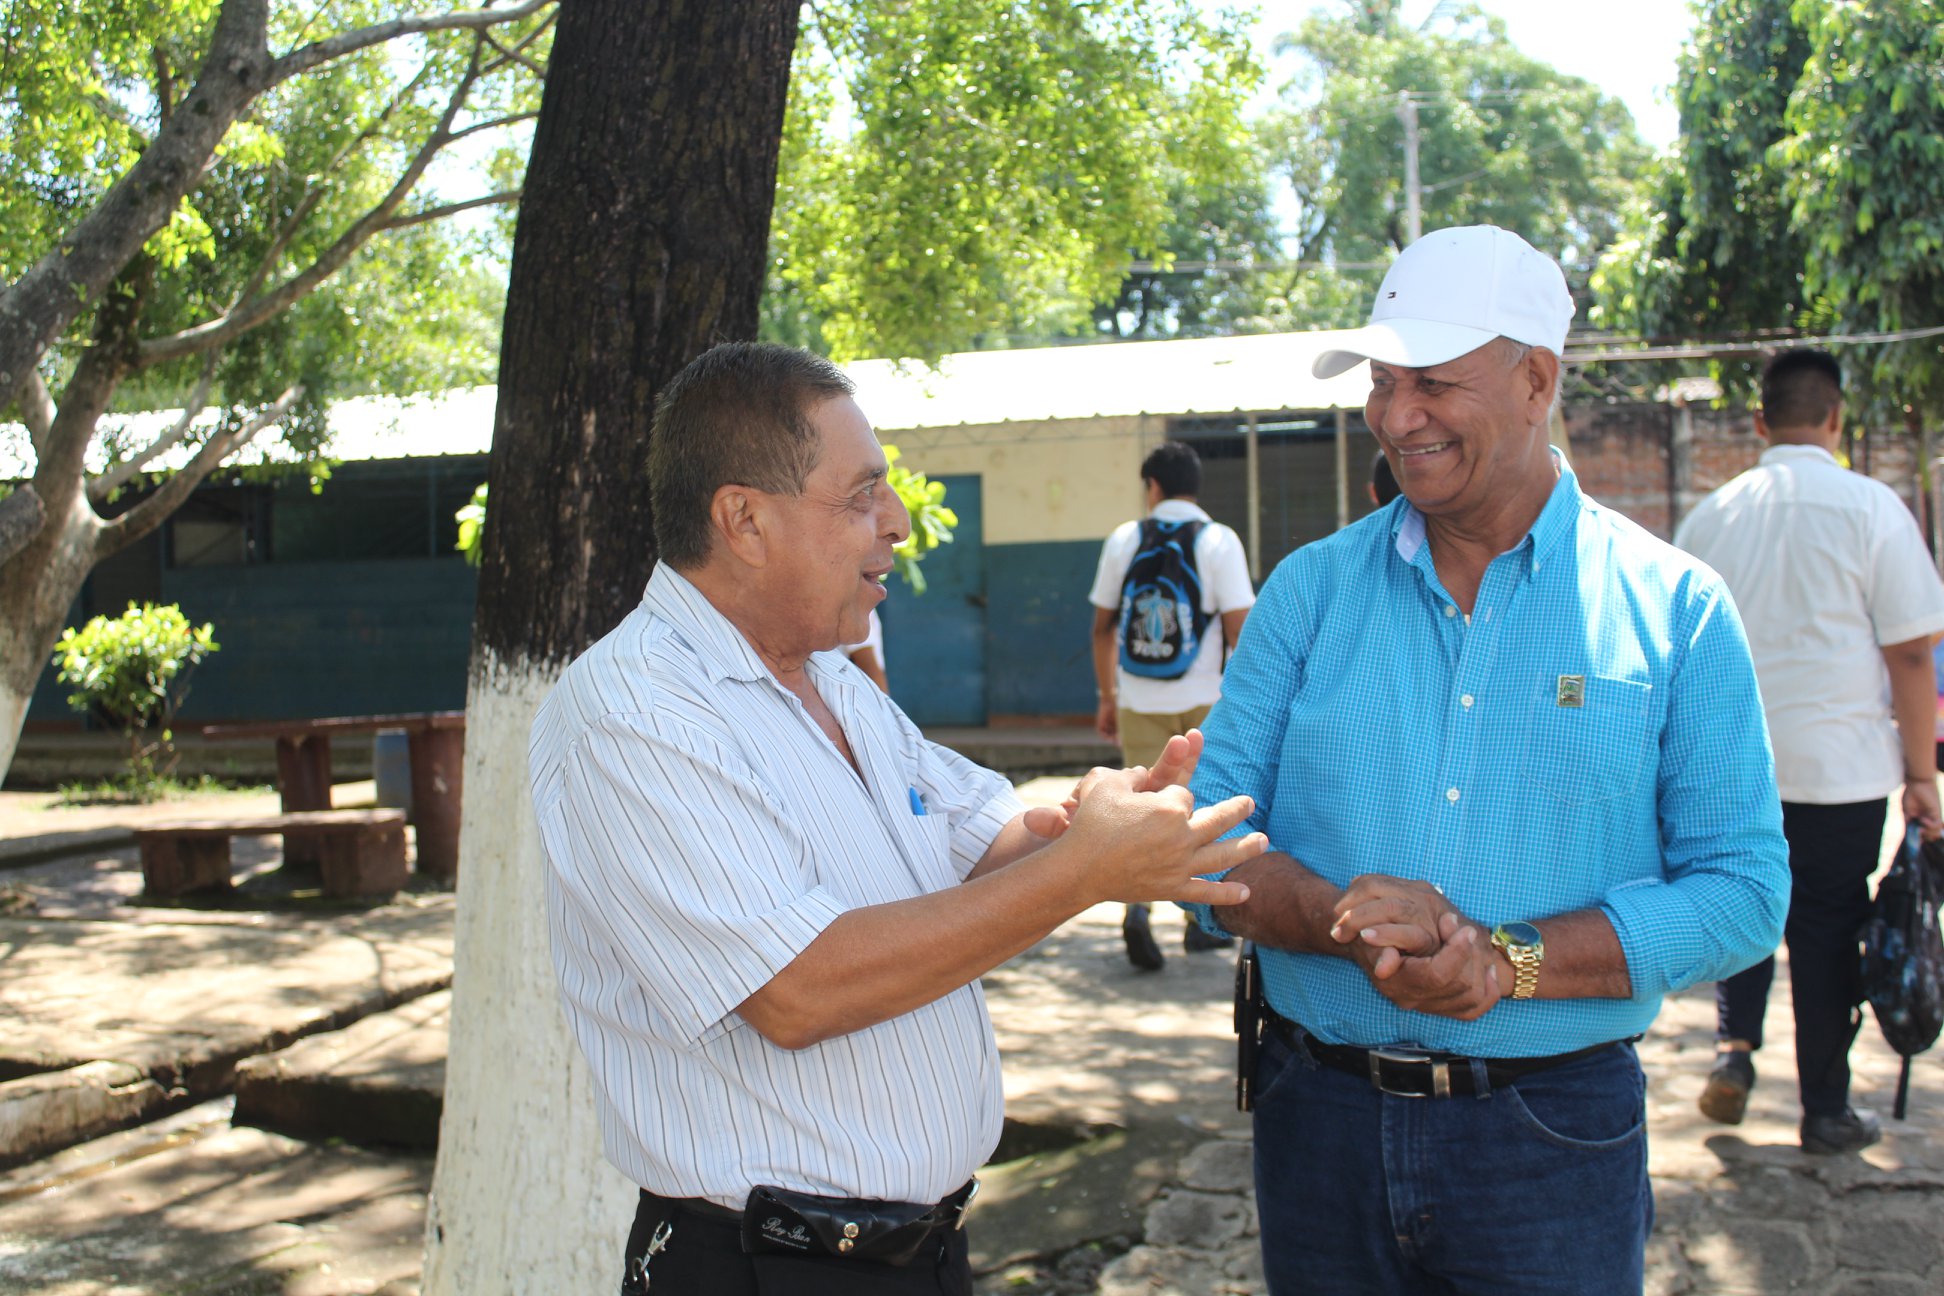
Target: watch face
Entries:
(1520, 933)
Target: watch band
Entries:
(1525, 970)
(1525, 950)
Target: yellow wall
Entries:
(1072, 479)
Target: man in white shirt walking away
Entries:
(1169, 598)
(1841, 600)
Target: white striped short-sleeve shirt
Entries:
(700, 832)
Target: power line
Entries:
(1705, 350)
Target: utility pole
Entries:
(1413, 192)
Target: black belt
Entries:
(1415, 1073)
(949, 1210)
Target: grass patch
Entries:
(145, 789)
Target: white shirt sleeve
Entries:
(1224, 570)
(670, 846)
(1906, 597)
(1114, 557)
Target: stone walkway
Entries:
(1141, 1187)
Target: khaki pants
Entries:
(1143, 734)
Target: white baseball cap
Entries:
(1453, 291)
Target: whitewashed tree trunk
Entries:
(13, 714)
(642, 240)
(523, 1200)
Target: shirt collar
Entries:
(717, 643)
(1554, 523)
(1797, 453)
(1179, 510)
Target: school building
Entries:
(349, 599)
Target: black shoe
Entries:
(1142, 952)
(1851, 1131)
(1724, 1099)
(1197, 937)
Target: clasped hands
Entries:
(1140, 838)
(1418, 950)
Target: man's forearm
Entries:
(1583, 959)
(1104, 663)
(1289, 907)
(1913, 701)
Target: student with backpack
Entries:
(1169, 599)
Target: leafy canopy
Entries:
(1806, 192)
(1503, 139)
(958, 171)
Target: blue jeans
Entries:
(1539, 1185)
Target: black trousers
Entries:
(702, 1255)
(1833, 849)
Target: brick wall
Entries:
(1640, 461)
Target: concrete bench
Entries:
(361, 852)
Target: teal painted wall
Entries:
(329, 639)
(1038, 626)
(935, 644)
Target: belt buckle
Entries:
(1440, 1072)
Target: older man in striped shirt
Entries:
(771, 898)
(1508, 750)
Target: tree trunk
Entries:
(642, 240)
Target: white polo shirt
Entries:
(1223, 565)
(1826, 566)
(700, 833)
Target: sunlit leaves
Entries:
(995, 163)
(1504, 139)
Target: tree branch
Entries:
(149, 514)
(451, 209)
(21, 517)
(117, 474)
(242, 319)
(164, 84)
(36, 408)
(494, 124)
(320, 52)
(38, 307)
(510, 54)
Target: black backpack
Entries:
(1903, 953)
(1161, 617)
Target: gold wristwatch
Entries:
(1526, 949)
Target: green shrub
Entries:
(132, 671)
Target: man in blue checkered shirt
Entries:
(1509, 755)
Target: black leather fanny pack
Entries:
(780, 1221)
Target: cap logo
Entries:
(1391, 293)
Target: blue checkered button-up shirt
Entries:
(1592, 736)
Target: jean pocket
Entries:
(1586, 736)
(1275, 1063)
(1591, 1106)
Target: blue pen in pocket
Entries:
(917, 803)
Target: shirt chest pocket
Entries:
(927, 845)
(1587, 736)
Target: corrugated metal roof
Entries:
(1193, 376)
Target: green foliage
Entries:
(1807, 191)
(1709, 246)
(85, 84)
(132, 671)
(931, 520)
(471, 518)
(1504, 139)
(956, 171)
(1865, 164)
